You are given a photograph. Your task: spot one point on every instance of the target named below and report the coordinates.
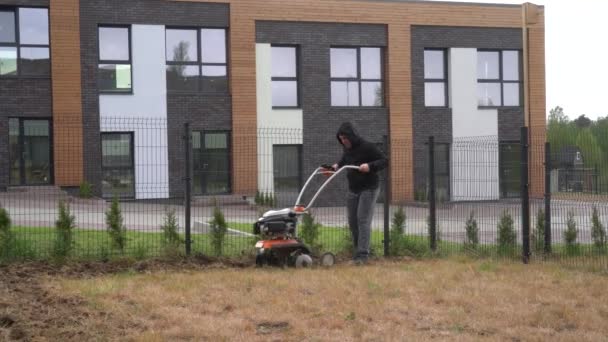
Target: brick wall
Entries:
(320, 120)
(21, 97)
(438, 121)
(205, 112)
(399, 16)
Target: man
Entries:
(362, 185)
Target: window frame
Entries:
(17, 44)
(299, 147)
(501, 81)
(132, 168)
(115, 62)
(358, 79)
(198, 173)
(444, 80)
(296, 78)
(199, 63)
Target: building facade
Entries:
(100, 90)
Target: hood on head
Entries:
(348, 130)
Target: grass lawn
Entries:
(37, 243)
(451, 299)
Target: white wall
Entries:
(474, 159)
(287, 123)
(144, 112)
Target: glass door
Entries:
(30, 152)
(211, 163)
(510, 173)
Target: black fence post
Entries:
(387, 205)
(432, 193)
(547, 198)
(525, 196)
(188, 185)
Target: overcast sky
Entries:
(576, 54)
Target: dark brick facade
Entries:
(204, 112)
(438, 121)
(321, 121)
(21, 97)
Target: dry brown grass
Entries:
(389, 301)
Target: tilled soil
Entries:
(31, 310)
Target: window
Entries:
(196, 60)
(24, 42)
(498, 78)
(285, 76)
(117, 165)
(287, 161)
(357, 77)
(435, 78)
(114, 72)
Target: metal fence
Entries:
(153, 195)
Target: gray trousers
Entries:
(360, 213)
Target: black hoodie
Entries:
(361, 152)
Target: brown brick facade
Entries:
(399, 16)
(67, 103)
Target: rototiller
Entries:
(280, 245)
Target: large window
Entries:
(435, 78)
(196, 60)
(114, 72)
(30, 155)
(287, 162)
(498, 78)
(357, 77)
(24, 42)
(117, 165)
(285, 77)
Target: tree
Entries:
(115, 226)
(64, 226)
(219, 227)
(590, 149)
(561, 131)
(583, 122)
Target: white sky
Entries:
(576, 38)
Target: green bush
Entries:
(309, 232)
(218, 231)
(571, 233)
(141, 251)
(64, 226)
(171, 242)
(115, 226)
(7, 238)
(397, 245)
(598, 233)
(507, 237)
(86, 190)
(472, 232)
(538, 234)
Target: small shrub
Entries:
(346, 241)
(265, 199)
(507, 237)
(141, 251)
(104, 254)
(538, 234)
(310, 231)
(7, 238)
(64, 226)
(171, 240)
(86, 190)
(472, 232)
(571, 233)
(218, 231)
(397, 237)
(598, 233)
(115, 226)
